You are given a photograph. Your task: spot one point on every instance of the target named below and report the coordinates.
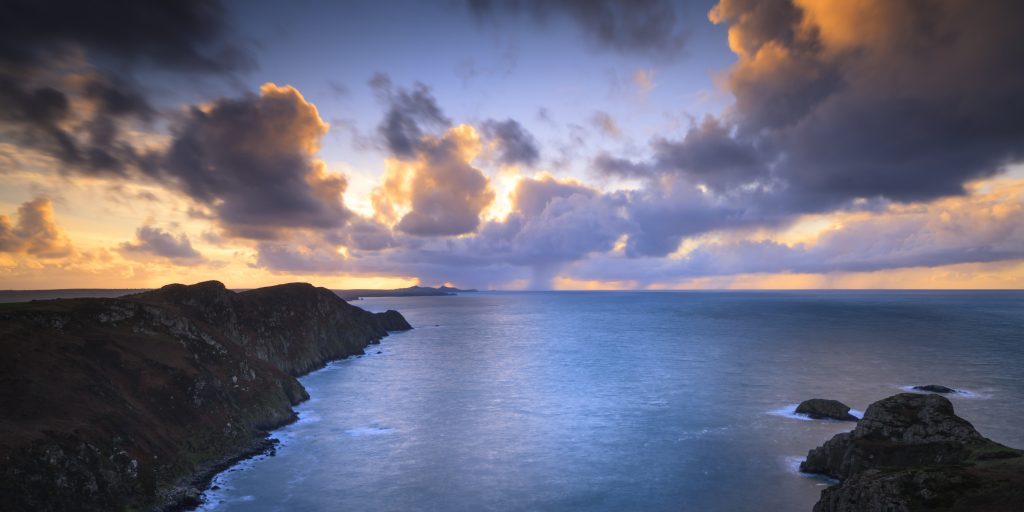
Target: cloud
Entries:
(667, 211)
(514, 143)
(980, 228)
(646, 27)
(153, 241)
(605, 124)
(50, 55)
(710, 156)
(643, 79)
(250, 160)
(35, 233)
(898, 100)
(439, 193)
(828, 116)
(408, 112)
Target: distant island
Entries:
(135, 402)
(412, 291)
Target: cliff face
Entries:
(119, 404)
(911, 452)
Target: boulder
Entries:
(935, 388)
(821, 408)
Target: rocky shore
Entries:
(912, 452)
(133, 403)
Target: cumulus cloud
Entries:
(838, 106)
(647, 27)
(708, 155)
(48, 56)
(439, 193)
(410, 116)
(35, 233)
(153, 241)
(515, 145)
(250, 160)
(901, 100)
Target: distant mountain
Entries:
(134, 403)
(412, 291)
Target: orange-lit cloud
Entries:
(251, 162)
(439, 192)
(35, 234)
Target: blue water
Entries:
(623, 400)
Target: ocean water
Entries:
(623, 400)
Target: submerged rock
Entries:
(911, 452)
(822, 408)
(935, 388)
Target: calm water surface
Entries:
(622, 400)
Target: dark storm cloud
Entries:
(185, 35)
(708, 155)
(919, 99)
(152, 241)
(410, 113)
(53, 52)
(649, 27)
(515, 144)
(829, 114)
(250, 161)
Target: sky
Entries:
(519, 144)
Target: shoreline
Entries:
(264, 445)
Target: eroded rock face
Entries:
(821, 408)
(911, 452)
(995, 486)
(112, 404)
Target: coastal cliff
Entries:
(130, 403)
(911, 452)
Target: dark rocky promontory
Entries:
(132, 403)
(821, 408)
(911, 452)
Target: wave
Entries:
(792, 465)
(789, 411)
(959, 393)
(373, 430)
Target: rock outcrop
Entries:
(935, 388)
(821, 408)
(132, 403)
(911, 452)
(393, 321)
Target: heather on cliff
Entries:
(126, 403)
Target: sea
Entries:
(622, 401)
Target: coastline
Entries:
(267, 445)
(172, 386)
